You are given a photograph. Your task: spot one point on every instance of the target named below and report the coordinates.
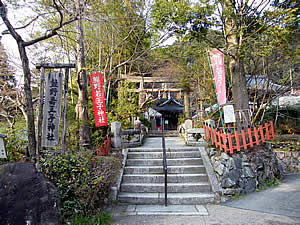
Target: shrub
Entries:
(84, 185)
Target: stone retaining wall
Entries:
(290, 161)
(245, 171)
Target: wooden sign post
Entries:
(42, 67)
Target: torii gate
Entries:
(162, 80)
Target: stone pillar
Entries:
(186, 100)
(188, 124)
(116, 130)
(137, 124)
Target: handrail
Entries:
(165, 168)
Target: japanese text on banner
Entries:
(98, 96)
(217, 62)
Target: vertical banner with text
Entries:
(217, 62)
(98, 95)
(52, 109)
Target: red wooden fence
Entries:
(231, 141)
(103, 150)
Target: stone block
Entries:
(188, 124)
(116, 131)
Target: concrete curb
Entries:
(116, 189)
(171, 210)
(211, 174)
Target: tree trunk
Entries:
(234, 38)
(28, 99)
(27, 81)
(82, 104)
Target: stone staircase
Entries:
(168, 133)
(143, 178)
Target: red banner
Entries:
(217, 62)
(98, 95)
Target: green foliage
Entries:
(83, 185)
(268, 184)
(125, 106)
(287, 119)
(236, 196)
(15, 141)
(102, 218)
(145, 121)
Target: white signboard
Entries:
(229, 116)
(52, 109)
(2, 149)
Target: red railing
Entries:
(231, 141)
(103, 150)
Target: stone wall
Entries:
(288, 153)
(245, 171)
(290, 161)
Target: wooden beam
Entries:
(55, 65)
(149, 79)
(157, 90)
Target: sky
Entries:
(8, 41)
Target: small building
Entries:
(170, 110)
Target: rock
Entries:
(259, 164)
(227, 183)
(219, 168)
(247, 173)
(26, 196)
(212, 153)
(230, 178)
(237, 161)
(242, 183)
(250, 186)
(280, 155)
(224, 156)
(244, 158)
(231, 164)
(231, 191)
(245, 164)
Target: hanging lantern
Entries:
(178, 97)
(164, 95)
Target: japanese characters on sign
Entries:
(98, 96)
(52, 110)
(217, 61)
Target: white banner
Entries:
(52, 109)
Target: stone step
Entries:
(159, 155)
(159, 169)
(173, 198)
(168, 133)
(185, 149)
(159, 162)
(160, 178)
(160, 187)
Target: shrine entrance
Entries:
(170, 111)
